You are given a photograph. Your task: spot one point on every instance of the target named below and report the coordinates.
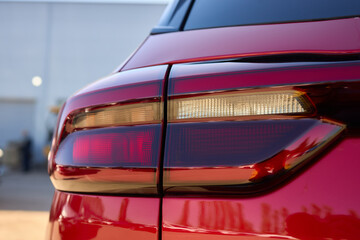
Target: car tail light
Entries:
(224, 132)
(250, 104)
(241, 152)
(108, 140)
(236, 139)
(129, 114)
(111, 147)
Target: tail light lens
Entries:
(108, 140)
(129, 114)
(235, 139)
(252, 104)
(111, 147)
(244, 153)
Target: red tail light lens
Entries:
(225, 144)
(119, 159)
(111, 147)
(109, 136)
(209, 155)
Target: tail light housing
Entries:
(109, 134)
(227, 128)
(229, 132)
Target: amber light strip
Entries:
(205, 176)
(105, 180)
(130, 114)
(240, 104)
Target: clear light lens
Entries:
(238, 104)
(130, 114)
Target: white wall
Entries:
(69, 45)
(16, 113)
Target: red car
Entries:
(235, 119)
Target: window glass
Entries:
(219, 13)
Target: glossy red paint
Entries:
(320, 203)
(328, 37)
(76, 216)
(187, 78)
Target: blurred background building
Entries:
(50, 49)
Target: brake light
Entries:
(235, 140)
(240, 153)
(111, 147)
(108, 140)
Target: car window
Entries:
(220, 13)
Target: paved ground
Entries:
(25, 200)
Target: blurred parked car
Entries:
(235, 119)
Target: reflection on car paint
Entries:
(103, 217)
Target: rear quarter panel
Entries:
(77, 216)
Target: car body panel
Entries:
(194, 78)
(76, 216)
(326, 37)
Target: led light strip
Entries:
(240, 104)
(131, 114)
